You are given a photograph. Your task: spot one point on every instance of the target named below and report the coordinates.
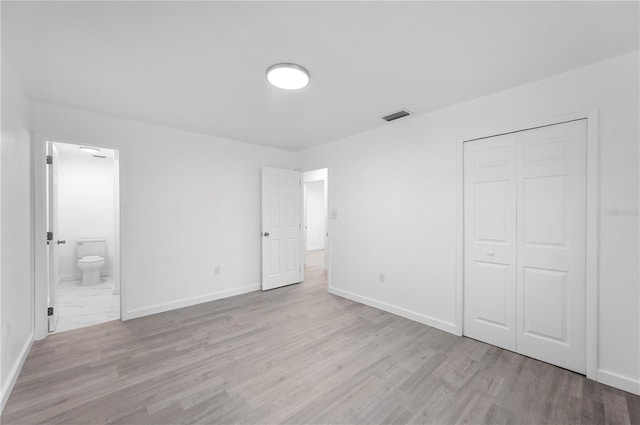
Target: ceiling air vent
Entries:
(396, 115)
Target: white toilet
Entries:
(91, 253)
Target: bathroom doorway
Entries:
(82, 209)
(316, 224)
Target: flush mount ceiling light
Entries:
(90, 150)
(288, 76)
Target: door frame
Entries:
(303, 245)
(592, 229)
(40, 225)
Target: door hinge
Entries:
(49, 160)
(49, 311)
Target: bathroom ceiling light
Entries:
(89, 150)
(288, 76)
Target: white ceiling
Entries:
(200, 66)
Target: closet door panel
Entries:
(551, 222)
(489, 187)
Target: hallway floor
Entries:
(314, 259)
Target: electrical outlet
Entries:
(216, 270)
(381, 278)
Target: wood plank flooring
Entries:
(296, 355)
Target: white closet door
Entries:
(490, 238)
(551, 223)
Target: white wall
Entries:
(315, 215)
(189, 202)
(85, 207)
(16, 280)
(394, 190)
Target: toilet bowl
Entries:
(91, 253)
(90, 266)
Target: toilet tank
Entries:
(91, 246)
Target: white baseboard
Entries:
(186, 302)
(72, 277)
(69, 278)
(15, 371)
(621, 382)
(399, 311)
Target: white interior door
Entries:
(551, 246)
(281, 228)
(490, 238)
(525, 242)
(52, 229)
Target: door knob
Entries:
(266, 234)
(491, 253)
(62, 242)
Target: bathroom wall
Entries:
(315, 215)
(85, 205)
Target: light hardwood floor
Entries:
(295, 355)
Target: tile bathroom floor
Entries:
(80, 306)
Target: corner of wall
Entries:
(398, 311)
(12, 377)
(17, 277)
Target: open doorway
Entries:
(82, 209)
(315, 220)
